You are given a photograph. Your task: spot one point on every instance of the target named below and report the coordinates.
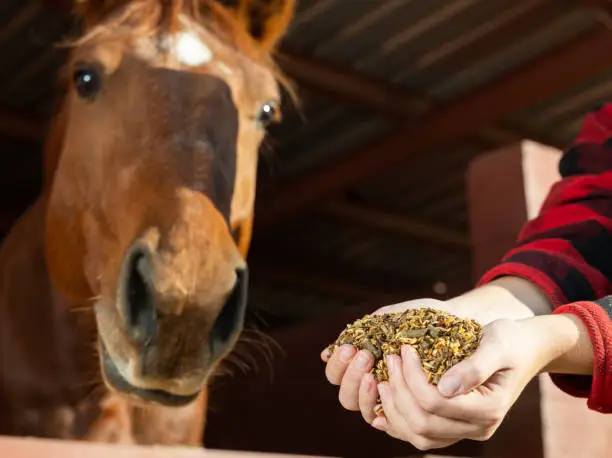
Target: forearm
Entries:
(506, 297)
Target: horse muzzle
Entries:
(160, 357)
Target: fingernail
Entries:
(392, 364)
(363, 360)
(382, 389)
(449, 386)
(346, 353)
(379, 423)
(370, 383)
(408, 351)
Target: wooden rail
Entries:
(34, 448)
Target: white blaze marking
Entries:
(190, 50)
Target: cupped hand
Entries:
(349, 369)
(472, 398)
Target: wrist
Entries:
(564, 344)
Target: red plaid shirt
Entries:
(567, 251)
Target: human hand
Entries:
(473, 397)
(350, 369)
(508, 297)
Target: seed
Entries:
(440, 338)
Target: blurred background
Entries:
(362, 189)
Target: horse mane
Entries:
(227, 18)
(138, 18)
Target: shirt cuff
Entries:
(531, 274)
(598, 387)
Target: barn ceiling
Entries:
(361, 192)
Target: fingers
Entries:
(348, 368)
(420, 421)
(414, 410)
(394, 420)
(469, 402)
(338, 363)
(325, 355)
(429, 399)
(400, 424)
(367, 398)
(380, 423)
(483, 408)
(351, 381)
(471, 372)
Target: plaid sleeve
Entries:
(597, 317)
(567, 249)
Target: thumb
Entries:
(471, 372)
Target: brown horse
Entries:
(124, 285)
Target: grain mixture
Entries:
(441, 339)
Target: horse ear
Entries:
(266, 21)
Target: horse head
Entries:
(151, 167)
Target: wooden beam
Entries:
(310, 281)
(396, 224)
(536, 80)
(352, 87)
(387, 99)
(20, 447)
(342, 285)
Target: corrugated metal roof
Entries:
(561, 116)
(416, 43)
(323, 130)
(440, 48)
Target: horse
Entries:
(124, 285)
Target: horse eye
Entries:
(87, 82)
(267, 114)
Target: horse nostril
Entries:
(136, 297)
(230, 321)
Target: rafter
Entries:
(586, 56)
(309, 281)
(341, 285)
(386, 99)
(350, 86)
(396, 224)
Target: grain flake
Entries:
(440, 338)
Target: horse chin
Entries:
(116, 382)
